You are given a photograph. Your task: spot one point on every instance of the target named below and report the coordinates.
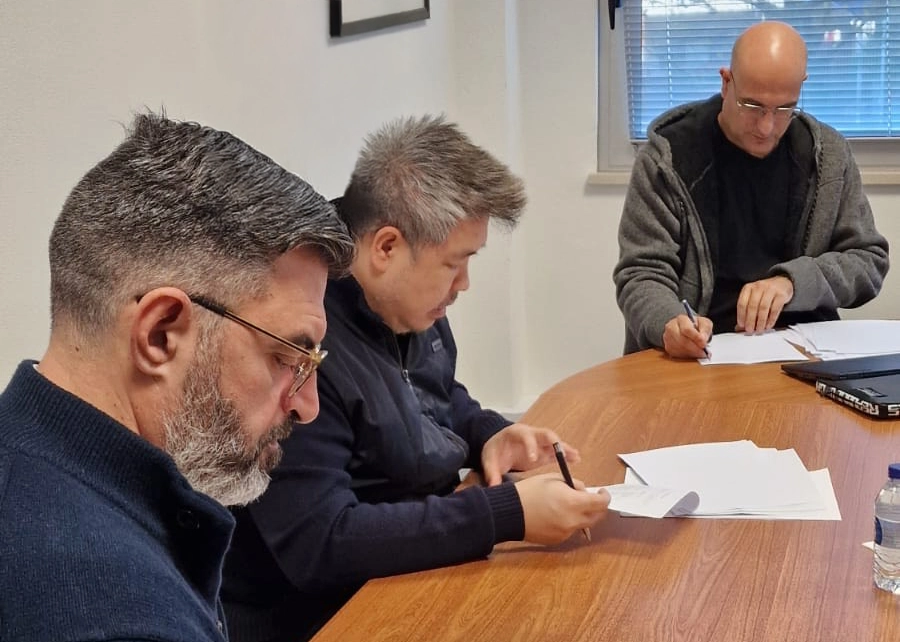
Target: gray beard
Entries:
(207, 440)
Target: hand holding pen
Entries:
(564, 468)
(689, 311)
(552, 511)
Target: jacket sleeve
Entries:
(845, 259)
(651, 233)
(323, 538)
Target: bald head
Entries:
(772, 52)
(768, 67)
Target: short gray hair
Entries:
(424, 176)
(183, 205)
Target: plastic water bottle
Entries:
(887, 533)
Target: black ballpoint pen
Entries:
(564, 468)
(689, 311)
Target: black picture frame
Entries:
(340, 28)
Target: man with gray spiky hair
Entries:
(369, 488)
(187, 278)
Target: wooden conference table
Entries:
(648, 580)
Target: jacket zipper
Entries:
(403, 370)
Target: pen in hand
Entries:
(689, 311)
(564, 468)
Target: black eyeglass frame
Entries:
(302, 372)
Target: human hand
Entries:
(553, 511)
(684, 341)
(520, 447)
(760, 303)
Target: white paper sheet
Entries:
(636, 499)
(738, 479)
(828, 511)
(844, 338)
(732, 347)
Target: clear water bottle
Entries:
(887, 533)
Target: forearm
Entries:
(834, 280)
(845, 264)
(347, 547)
(647, 306)
(671, 203)
(648, 273)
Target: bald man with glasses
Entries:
(745, 207)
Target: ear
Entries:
(385, 245)
(163, 331)
(725, 73)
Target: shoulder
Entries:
(679, 140)
(824, 136)
(687, 121)
(830, 149)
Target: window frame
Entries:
(878, 158)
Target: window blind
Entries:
(674, 50)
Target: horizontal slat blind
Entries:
(674, 51)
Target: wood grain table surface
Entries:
(643, 580)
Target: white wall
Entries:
(567, 244)
(71, 73)
(489, 321)
(519, 75)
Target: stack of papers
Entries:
(725, 479)
(824, 339)
(846, 339)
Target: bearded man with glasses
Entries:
(746, 208)
(187, 277)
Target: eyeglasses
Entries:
(756, 111)
(308, 361)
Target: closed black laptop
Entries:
(875, 396)
(855, 368)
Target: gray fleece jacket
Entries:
(668, 233)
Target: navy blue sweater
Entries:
(366, 490)
(101, 538)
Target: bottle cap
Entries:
(894, 471)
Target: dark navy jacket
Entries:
(365, 490)
(101, 538)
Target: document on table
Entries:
(828, 511)
(737, 479)
(733, 347)
(636, 499)
(849, 338)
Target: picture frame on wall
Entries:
(351, 17)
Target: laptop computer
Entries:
(874, 396)
(853, 368)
